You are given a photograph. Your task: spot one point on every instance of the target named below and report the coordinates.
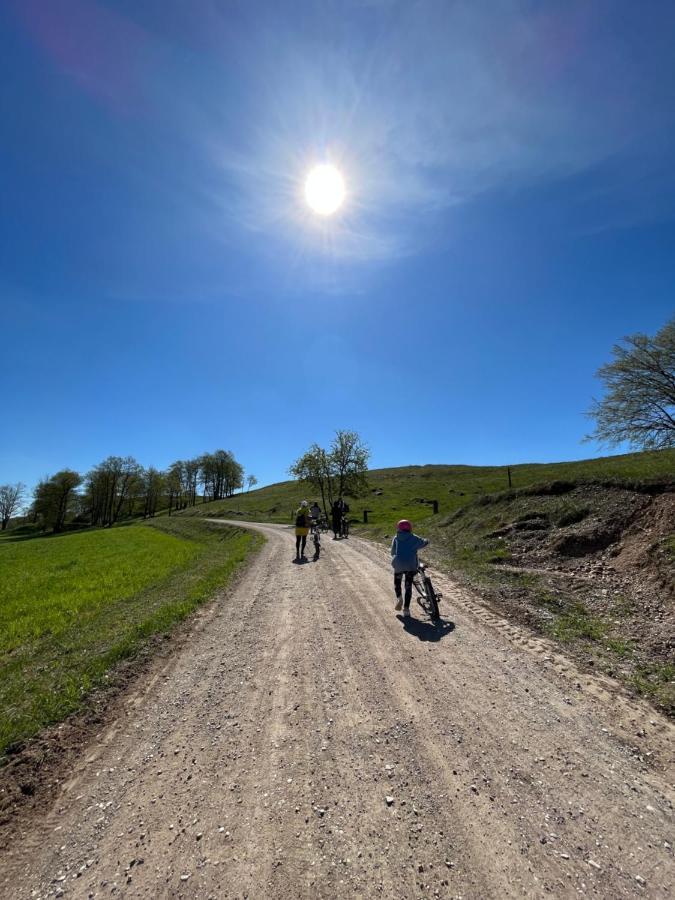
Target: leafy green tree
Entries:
(220, 474)
(153, 486)
(191, 476)
(174, 485)
(251, 481)
(11, 498)
(109, 486)
(55, 498)
(337, 472)
(639, 403)
(349, 461)
(313, 467)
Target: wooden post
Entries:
(435, 505)
(508, 472)
(365, 516)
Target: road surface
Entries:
(304, 742)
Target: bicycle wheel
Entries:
(422, 599)
(317, 545)
(432, 599)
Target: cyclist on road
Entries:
(404, 549)
(301, 529)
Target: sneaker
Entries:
(399, 604)
(406, 612)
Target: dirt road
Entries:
(304, 743)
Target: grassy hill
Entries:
(399, 492)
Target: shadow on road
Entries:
(426, 631)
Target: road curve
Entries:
(305, 743)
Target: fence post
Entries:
(508, 472)
(435, 505)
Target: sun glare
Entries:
(325, 190)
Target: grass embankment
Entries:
(73, 605)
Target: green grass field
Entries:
(73, 605)
(396, 493)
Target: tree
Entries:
(153, 486)
(639, 404)
(173, 480)
(313, 467)
(251, 481)
(111, 484)
(11, 498)
(191, 474)
(55, 497)
(221, 474)
(349, 461)
(341, 470)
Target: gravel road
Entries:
(305, 742)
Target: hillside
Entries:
(402, 492)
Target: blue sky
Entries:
(164, 288)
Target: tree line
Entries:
(120, 487)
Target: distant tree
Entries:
(191, 475)
(251, 481)
(341, 470)
(220, 474)
(153, 486)
(109, 486)
(349, 461)
(639, 404)
(173, 480)
(314, 468)
(11, 498)
(55, 498)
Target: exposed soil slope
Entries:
(305, 743)
(592, 564)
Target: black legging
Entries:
(300, 544)
(398, 577)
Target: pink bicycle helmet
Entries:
(404, 525)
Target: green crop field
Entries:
(72, 605)
(398, 493)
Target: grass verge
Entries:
(74, 605)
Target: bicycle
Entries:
(427, 595)
(316, 528)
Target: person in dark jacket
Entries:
(404, 549)
(337, 511)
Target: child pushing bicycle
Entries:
(404, 549)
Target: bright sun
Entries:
(325, 190)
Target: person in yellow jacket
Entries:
(301, 529)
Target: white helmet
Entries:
(304, 503)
